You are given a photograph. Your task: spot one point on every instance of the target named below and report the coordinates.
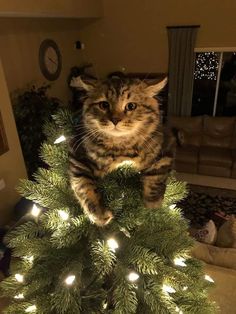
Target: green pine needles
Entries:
(139, 263)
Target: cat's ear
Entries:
(77, 82)
(153, 90)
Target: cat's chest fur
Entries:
(109, 156)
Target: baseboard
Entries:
(216, 182)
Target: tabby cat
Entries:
(120, 122)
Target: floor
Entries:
(202, 203)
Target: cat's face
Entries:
(121, 108)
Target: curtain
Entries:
(181, 68)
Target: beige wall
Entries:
(20, 39)
(133, 35)
(51, 8)
(11, 163)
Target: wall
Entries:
(20, 39)
(11, 163)
(132, 34)
(51, 8)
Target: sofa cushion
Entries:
(233, 175)
(191, 128)
(183, 166)
(215, 156)
(187, 154)
(218, 131)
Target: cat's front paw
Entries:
(153, 204)
(101, 218)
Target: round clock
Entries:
(50, 59)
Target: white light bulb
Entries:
(185, 288)
(69, 280)
(168, 289)
(208, 278)
(19, 277)
(112, 243)
(35, 211)
(31, 309)
(19, 296)
(180, 261)
(29, 259)
(64, 215)
(60, 139)
(172, 206)
(133, 276)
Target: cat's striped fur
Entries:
(120, 122)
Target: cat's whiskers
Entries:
(88, 136)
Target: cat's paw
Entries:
(102, 218)
(153, 204)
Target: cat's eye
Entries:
(130, 106)
(104, 105)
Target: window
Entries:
(214, 88)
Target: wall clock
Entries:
(50, 60)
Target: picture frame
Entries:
(3, 139)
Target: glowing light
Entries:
(19, 277)
(19, 296)
(185, 288)
(105, 306)
(126, 163)
(29, 259)
(64, 215)
(60, 139)
(208, 278)
(69, 280)
(180, 261)
(172, 206)
(112, 243)
(168, 289)
(177, 309)
(31, 309)
(35, 211)
(133, 276)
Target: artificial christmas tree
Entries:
(138, 263)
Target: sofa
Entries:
(207, 145)
(221, 266)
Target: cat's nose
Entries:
(115, 120)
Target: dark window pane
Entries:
(226, 102)
(204, 87)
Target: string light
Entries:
(172, 206)
(31, 309)
(69, 280)
(206, 66)
(19, 277)
(29, 259)
(112, 243)
(208, 278)
(179, 261)
(133, 276)
(60, 139)
(63, 214)
(105, 305)
(35, 211)
(19, 296)
(185, 288)
(168, 289)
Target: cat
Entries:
(120, 122)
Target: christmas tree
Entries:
(139, 263)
